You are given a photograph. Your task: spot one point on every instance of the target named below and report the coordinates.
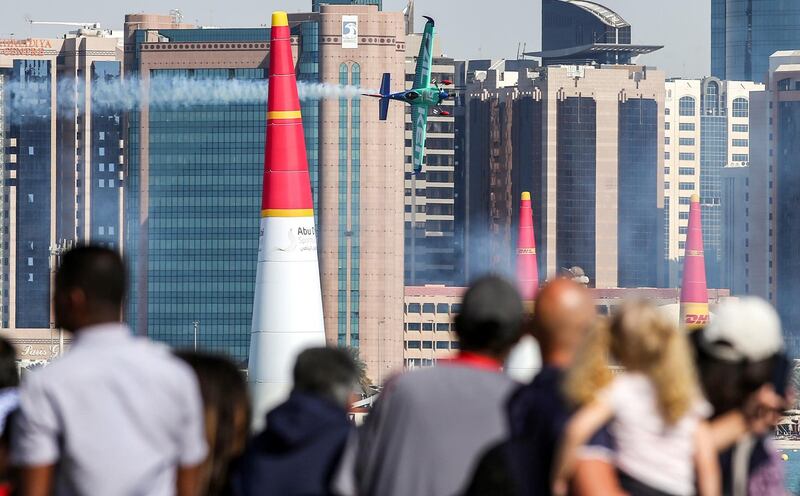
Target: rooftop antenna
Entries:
(177, 16)
(408, 12)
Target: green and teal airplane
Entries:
(423, 96)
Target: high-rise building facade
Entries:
(430, 196)
(783, 186)
(581, 32)
(587, 142)
(745, 33)
(57, 135)
(196, 180)
(706, 128)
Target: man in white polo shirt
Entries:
(116, 415)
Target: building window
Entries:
(454, 345)
(111, 167)
(30, 150)
(686, 126)
(413, 345)
(666, 155)
(442, 345)
(101, 135)
(110, 183)
(741, 108)
(686, 171)
(666, 185)
(684, 200)
(442, 327)
(740, 128)
(666, 125)
(110, 230)
(686, 156)
(30, 277)
(413, 326)
(427, 326)
(413, 308)
(101, 230)
(683, 215)
(30, 197)
(686, 186)
(741, 142)
(428, 308)
(30, 261)
(681, 245)
(442, 308)
(101, 167)
(101, 151)
(683, 230)
(740, 157)
(666, 110)
(686, 106)
(101, 183)
(427, 345)
(666, 170)
(686, 141)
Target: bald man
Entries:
(538, 412)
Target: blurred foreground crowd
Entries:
(623, 405)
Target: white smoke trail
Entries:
(28, 99)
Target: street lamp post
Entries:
(196, 324)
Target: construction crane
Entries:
(84, 28)
(84, 25)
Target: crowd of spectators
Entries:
(627, 404)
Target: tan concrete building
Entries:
(429, 335)
(588, 143)
(61, 170)
(428, 328)
(361, 188)
(181, 168)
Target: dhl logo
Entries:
(696, 319)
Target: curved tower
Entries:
(287, 310)
(694, 292)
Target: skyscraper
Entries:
(705, 129)
(783, 176)
(588, 143)
(745, 33)
(429, 196)
(61, 166)
(196, 177)
(582, 32)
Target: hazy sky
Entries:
(683, 28)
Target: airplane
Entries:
(423, 96)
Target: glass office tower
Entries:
(202, 191)
(744, 33)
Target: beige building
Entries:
(706, 128)
(361, 188)
(587, 142)
(61, 170)
(429, 335)
(428, 328)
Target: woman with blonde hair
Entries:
(652, 404)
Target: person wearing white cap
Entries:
(744, 372)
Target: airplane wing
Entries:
(419, 121)
(422, 78)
